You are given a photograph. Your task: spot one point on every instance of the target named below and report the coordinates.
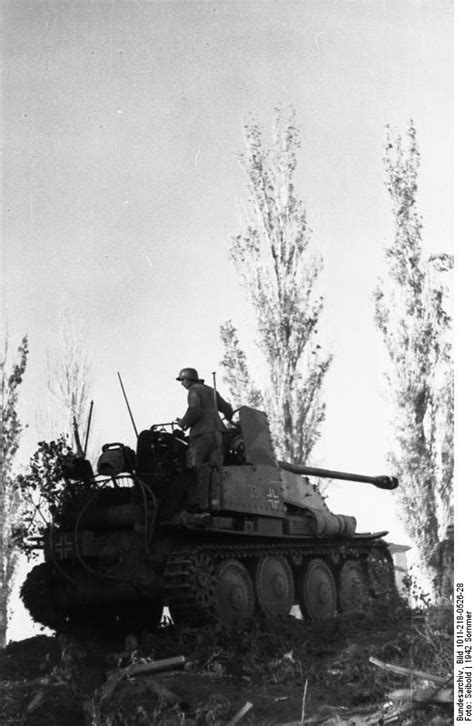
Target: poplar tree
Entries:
(279, 271)
(10, 492)
(411, 312)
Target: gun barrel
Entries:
(381, 482)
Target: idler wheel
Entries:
(234, 596)
(274, 586)
(381, 576)
(317, 591)
(353, 588)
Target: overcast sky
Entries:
(122, 189)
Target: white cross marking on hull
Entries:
(63, 546)
(273, 498)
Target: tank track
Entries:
(190, 579)
(190, 572)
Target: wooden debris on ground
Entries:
(240, 714)
(415, 698)
(303, 704)
(136, 677)
(155, 666)
(158, 689)
(423, 695)
(36, 700)
(408, 672)
(407, 700)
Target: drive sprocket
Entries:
(190, 576)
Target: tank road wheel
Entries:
(235, 597)
(353, 588)
(274, 586)
(317, 591)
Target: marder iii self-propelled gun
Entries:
(253, 537)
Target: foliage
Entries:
(10, 497)
(238, 378)
(11, 426)
(45, 489)
(411, 313)
(45, 473)
(280, 274)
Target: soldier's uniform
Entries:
(203, 420)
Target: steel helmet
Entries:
(189, 374)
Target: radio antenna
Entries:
(215, 389)
(126, 401)
(88, 427)
(77, 439)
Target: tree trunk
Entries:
(442, 564)
(3, 588)
(3, 618)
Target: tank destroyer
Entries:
(253, 537)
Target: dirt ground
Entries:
(290, 672)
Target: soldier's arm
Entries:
(194, 410)
(224, 407)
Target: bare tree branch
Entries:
(69, 380)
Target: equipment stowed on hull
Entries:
(252, 537)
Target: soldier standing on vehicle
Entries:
(203, 420)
